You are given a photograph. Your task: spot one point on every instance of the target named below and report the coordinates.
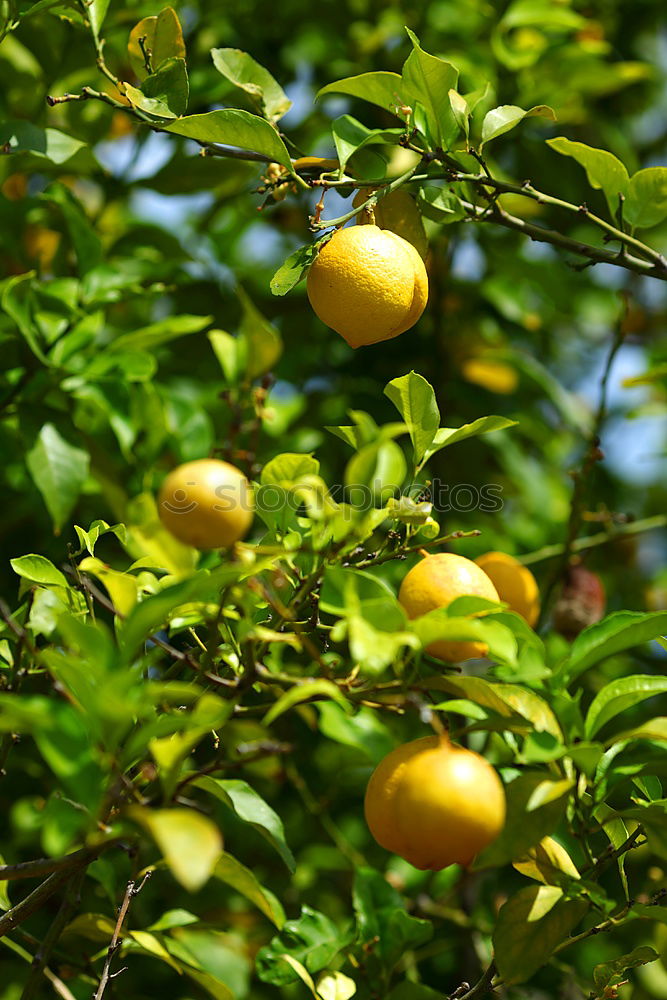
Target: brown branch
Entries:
(70, 901)
(132, 890)
(12, 918)
(600, 538)
(47, 866)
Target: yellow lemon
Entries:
(434, 803)
(207, 504)
(398, 212)
(434, 583)
(368, 284)
(515, 584)
(496, 376)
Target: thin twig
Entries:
(132, 890)
(592, 456)
(592, 541)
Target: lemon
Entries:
(496, 376)
(434, 583)
(434, 803)
(207, 504)
(515, 584)
(398, 212)
(368, 284)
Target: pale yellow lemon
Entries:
(434, 583)
(368, 284)
(398, 212)
(434, 803)
(515, 584)
(207, 504)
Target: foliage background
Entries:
(155, 232)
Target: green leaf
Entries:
(429, 80)
(97, 10)
(85, 240)
(529, 927)
(233, 873)
(439, 624)
(264, 343)
(604, 170)
(378, 467)
(246, 74)
(313, 940)
(303, 692)
(654, 729)
(151, 613)
(190, 843)
(234, 128)
(547, 862)
(461, 112)
(618, 631)
(364, 730)
(38, 569)
(350, 135)
(147, 338)
(380, 88)
(47, 143)
(88, 539)
(59, 471)
(445, 436)
(251, 808)
(414, 399)
(620, 695)
(288, 469)
(164, 93)
(382, 920)
(646, 200)
(613, 973)
(500, 120)
(440, 204)
(295, 268)
(535, 806)
(163, 37)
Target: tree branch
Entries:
(131, 891)
(70, 901)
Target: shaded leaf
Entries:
(234, 128)
(414, 399)
(191, 844)
(529, 927)
(502, 119)
(620, 695)
(59, 471)
(241, 69)
(233, 873)
(618, 631)
(646, 200)
(604, 170)
(251, 808)
(163, 37)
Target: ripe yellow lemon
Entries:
(515, 584)
(368, 284)
(434, 583)
(207, 504)
(434, 803)
(398, 212)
